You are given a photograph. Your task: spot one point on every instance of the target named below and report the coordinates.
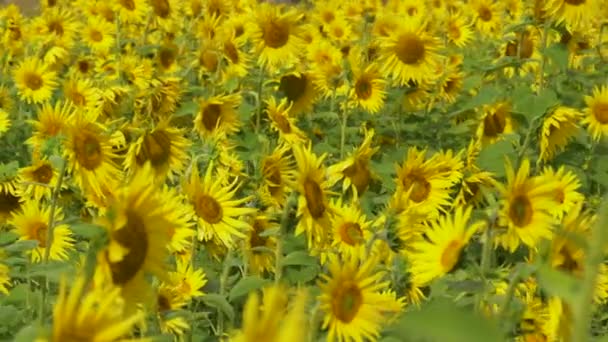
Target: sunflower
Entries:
(5, 279)
(276, 36)
(439, 252)
(565, 191)
(280, 121)
(32, 223)
(458, 29)
(99, 35)
(300, 91)
(368, 90)
(218, 115)
(473, 187)
(182, 233)
(597, 113)
(327, 68)
(487, 15)
(574, 13)
(496, 120)
(260, 249)
(271, 320)
(52, 122)
(355, 170)
(236, 57)
(525, 208)
(85, 97)
(354, 301)
(187, 281)
(165, 13)
(558, 129)
(138, 213)
(34, 81)
(339, 31)
(165, 147)
(5, 122)
(93, 315)
(451, 83)
(351, 230)
(423, 183)
(89, 154)
(278, 175)
(131, 11)
(60, 24)
(38, 180)
(314, 210)
(409, 54)
(216, 208)
(168, 302)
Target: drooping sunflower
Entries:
(558, 129)
(139, 224)
(355, 170)
(38, 180)
(90, 156)
(312, 184)
(34, 81)
(423, 183)
(487, 15)
(260, 249)
(354, 300)
(351, 230)
(300, 91)
(270, 319)
(565, 191)
(99, 35)
(32, 223)
(574, 13)
(472, 187)
(368, 90)
(276, 36)
(218, 115)
(597, 113)
(450, 83)
(496, 120)
(409, 54)
(10, 200)
(216, 207)
(439, 251)
(51, 122)
(278, 176)
(280, 121)
(526, 205)
(91, 315)
(164, 146)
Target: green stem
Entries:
(278, 257)
(49, 238)
(543, 59)
(223, 280)
(343, 130)
(595, 254)
(258, 117)
(526, 143)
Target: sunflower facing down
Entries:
(260, 249)
(314, 210)
(139, 223)
(526, 205)
(300, 91)
(34, 82)
(32, 223)
(216, 207)
(409, 54)
(558, 129)
(597, 113)
(496, 120)
(355, 170)
(278, 176)
(93, 315)
(355, 300)
(165, 147)
(439, 251)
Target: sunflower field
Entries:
(346, 170)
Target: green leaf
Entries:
(303, 275)
(88, 230)
(6, 238)
(558, 54)
(558, 283)
(246, 285)
(186, 108)
(219, 302)
(300, 258)
(492, 157)
(442, 320)
(22, 246)
(533, 105)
